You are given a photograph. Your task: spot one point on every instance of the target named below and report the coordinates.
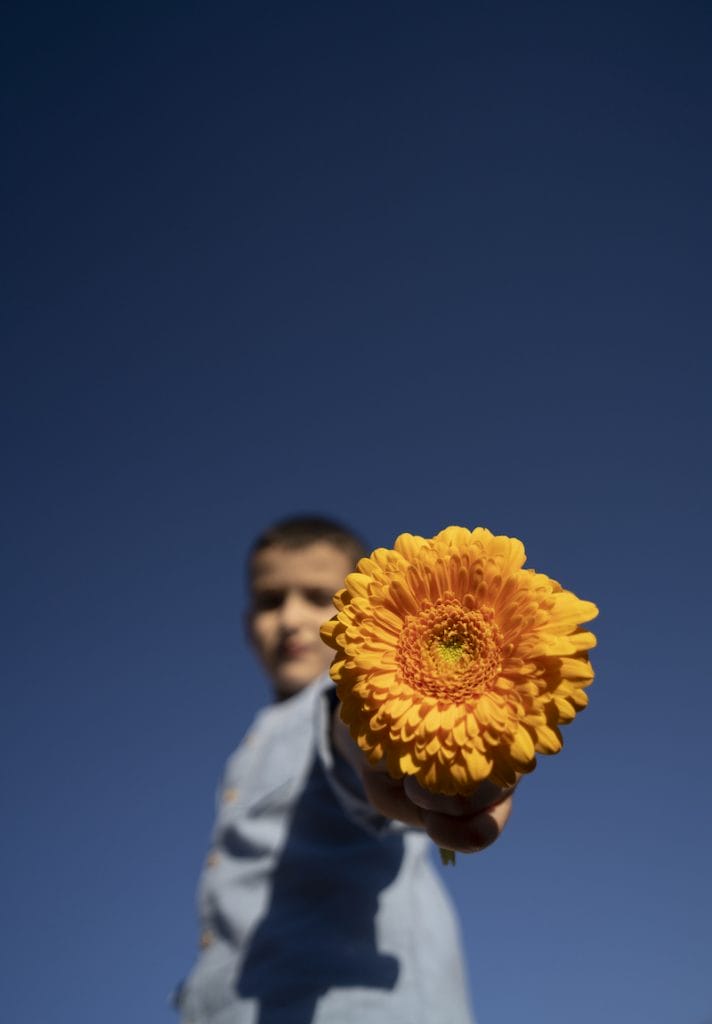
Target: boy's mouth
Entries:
(292, 649)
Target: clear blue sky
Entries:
(409, 264)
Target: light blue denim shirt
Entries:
(314, 909)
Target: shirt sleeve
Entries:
(343, 780)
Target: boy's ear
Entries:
(247, 626)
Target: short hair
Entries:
(300, 531)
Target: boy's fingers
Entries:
(485, 796)
(457, 823)
(454, 825)
(469, 833)
(389, 798)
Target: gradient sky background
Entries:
(408, 264)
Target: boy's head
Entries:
(295, 568)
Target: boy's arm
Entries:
(465, 824)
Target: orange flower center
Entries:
(449, 651)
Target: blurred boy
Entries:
(318, 905)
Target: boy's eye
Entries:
(265, 600)
(318, 596)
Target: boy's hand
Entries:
(462, 823)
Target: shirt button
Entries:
(207, 938)
(230, 795)
(212, 858)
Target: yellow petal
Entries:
(407, 765)
(548, 740)
(522, 746)
(477, 765)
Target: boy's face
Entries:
(291, 592)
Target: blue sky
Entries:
(409, 265)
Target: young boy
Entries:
(318, 905)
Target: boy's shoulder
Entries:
(279, 744)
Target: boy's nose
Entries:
(293, 608)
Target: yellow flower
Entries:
(456, 664)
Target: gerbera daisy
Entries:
(454, 663)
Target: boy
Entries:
(318, 905)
